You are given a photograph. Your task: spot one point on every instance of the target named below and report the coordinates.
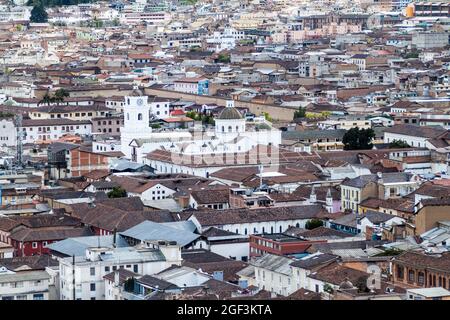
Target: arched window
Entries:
(271, 229)
(281, 229)
(128, 101)
(245, 231)
(411, 275)
(230, 128)
(237, 128)
(223, 129)
(139, 116)
(297, 225)
(254, 230)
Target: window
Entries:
(400, 272)
(135, 268)
(421, 278)
(34, 245)
(139, 116)
(38, 296)
(92, 286)
(107, 269)
(92, 271)
(411, 275)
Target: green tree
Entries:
(398, 144)
(361, 284)
(38, 13)
(358, 139)
(313, 223)
(328, 288)
(224, 58)
(46, 99)
(300, 113)
(60, 95)
(117, 192)
(267, 116)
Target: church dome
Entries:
(346, 285)
(230, 113)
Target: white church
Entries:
(232, 133)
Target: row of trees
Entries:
(58, 97)
(203, 117)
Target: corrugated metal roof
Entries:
(77, 246)
(148, 230)
(24, 276)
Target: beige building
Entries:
(430, 212)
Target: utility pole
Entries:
(73, 276)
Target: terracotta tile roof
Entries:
(124, 275)
(26, 235)
(336, 274)
(419, 260)
(96, 174)
(37, 262)
(302, 294)
(417, 131)
(324, 232)
(210, 196)
(237, 216)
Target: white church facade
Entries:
(231, 134)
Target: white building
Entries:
(232, 134)
(53, 129)
(273, 273)
(108, 145)
(427, 40)
(89, 269)
(24, 285)
(8, 133)
(415, 136)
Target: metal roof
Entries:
(77, 246)
(148, 230)
(24, 276)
